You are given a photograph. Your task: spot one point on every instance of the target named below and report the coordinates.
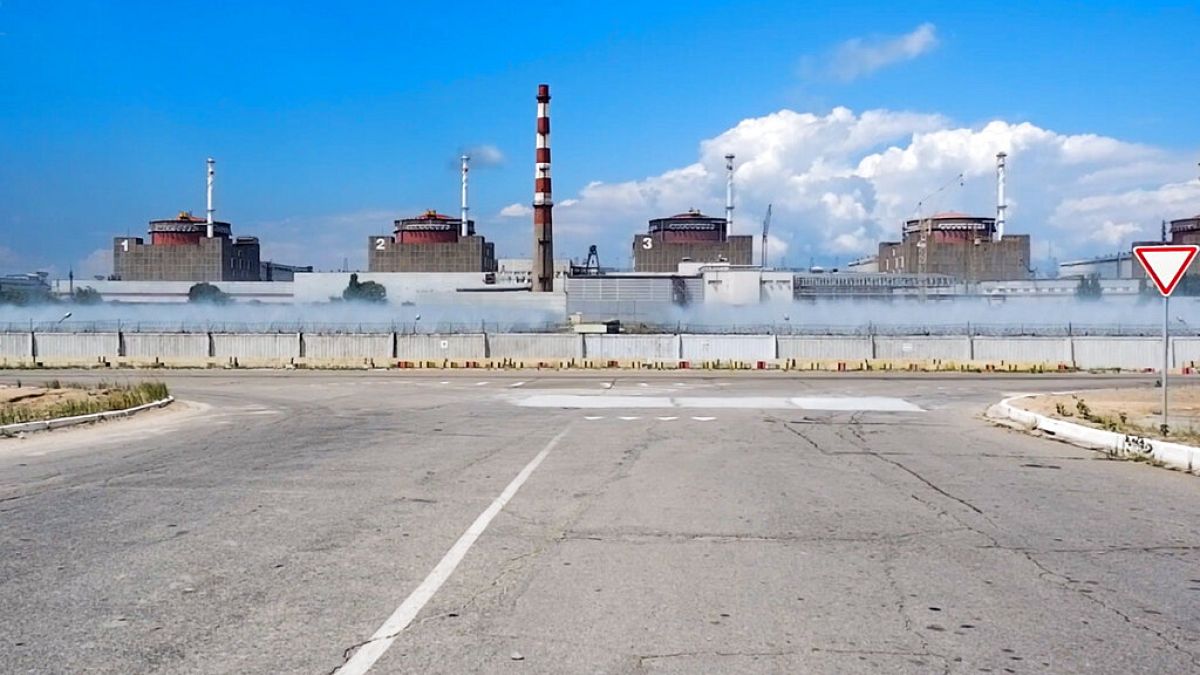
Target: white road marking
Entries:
(593, 417)
(370, 651)
(839, 403)
(666, 419)
(516, 384)
(480, 384)
(704, 419)
(629, 419)
(444, 382)
(606, 385)
(643, 384)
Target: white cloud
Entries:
(484, 156)
(842, 182)
(516, 210)
(1114, 233)
(98, 263)
(858, 57)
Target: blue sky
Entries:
(328, 120)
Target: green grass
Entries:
(115, 397)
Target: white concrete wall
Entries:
(1127, 353)
(833, 348)
(257, 347)
(632, 347)
(922, 347)
(1185, 352)
(728, 347)
(348, 347)
(77, 347)
(166, 347)
(16, 347)
(440, 347)
(535, 346)
(1023, 349)
(732, 286)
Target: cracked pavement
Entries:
(275, 519)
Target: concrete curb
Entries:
(1173, 455)
(61, 422)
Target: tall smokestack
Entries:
(465, 209)
(1001, 204)
(729, 193)
(212, 172)
(543, 203)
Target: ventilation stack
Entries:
(543, 204)
(212, 172)
(1001, 203)
(465, 230)
(729, 193)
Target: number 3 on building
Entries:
(380, 243)
(647, 243)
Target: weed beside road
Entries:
(56, 399)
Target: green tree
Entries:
(205, 292)
(364, 291)
(87, 296)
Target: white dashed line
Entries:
(372, 649)
(516, 384)
(444, 382)
(704, 419)
(480, 384)
(629, 419)
(666, 419)
(643, 384)
(593, 417)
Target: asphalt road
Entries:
(682, 522)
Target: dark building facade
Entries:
(181, 250)
(431, 242)
(958, 246)
(689, 237)
(1183, 231)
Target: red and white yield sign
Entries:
(1166, 264)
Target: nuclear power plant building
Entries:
(431, 242)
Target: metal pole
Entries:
(1166, 361)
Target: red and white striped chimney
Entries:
(543, 203)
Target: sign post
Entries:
(1165, 265)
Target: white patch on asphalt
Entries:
(371, 650)
(606, 385)
(871, 403)
(838, 403)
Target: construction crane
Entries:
(926, 225)
(766, 228)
